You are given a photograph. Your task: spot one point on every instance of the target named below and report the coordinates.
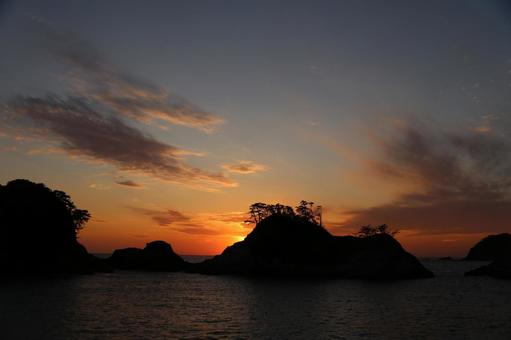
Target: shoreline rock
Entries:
(495, 248)
(490, 248)
(500, 269)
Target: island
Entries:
(288, 243)
(492, 247)
(495, 248)
(500, 269)
(156, 256)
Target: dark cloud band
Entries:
(463, 182)
(81, 130)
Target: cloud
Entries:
(97, 119)
(244, 167)
(196, 229)
(129, 183)
(461, 182)
(463, 217)
(176, 221)
(163, 217)
(43, 151)
(234, 217)
(94, 77)
(80, 130)
(143, 236)
(198, 224)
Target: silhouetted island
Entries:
(446, 258)
(500, 269)
(39, 228)
(287, 244)
(495, 248)
(156, 256)
(492, 247)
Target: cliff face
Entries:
(283, 245)
(491, 248)
(156, 256)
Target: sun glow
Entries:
(238, 238)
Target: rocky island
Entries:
(156, 256)
(495, 248)
(287, 244)
(500, 269)
(491, 248)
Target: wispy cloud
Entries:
(129, 183)
(245, 167)
(96, 120)
(462, 182)
(163, 217)
(94, 77)
(80, 130)
(197, 224)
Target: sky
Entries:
(167, 119)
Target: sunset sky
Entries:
(167, 119)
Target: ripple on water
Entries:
(177, 305)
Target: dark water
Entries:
(177, 305)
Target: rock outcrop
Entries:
(283, 245)
(493, 247)
(500, 269)
(77, 260)
(156, 256)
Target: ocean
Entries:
(137, 305)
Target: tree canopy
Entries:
(305, 210)
(369, 230)
(79, 216)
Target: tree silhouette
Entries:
(258, 211)
(280, 209)
(318, 215)
(79, 216)
(369, 230)
(305, 210)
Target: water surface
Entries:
(178, 305)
